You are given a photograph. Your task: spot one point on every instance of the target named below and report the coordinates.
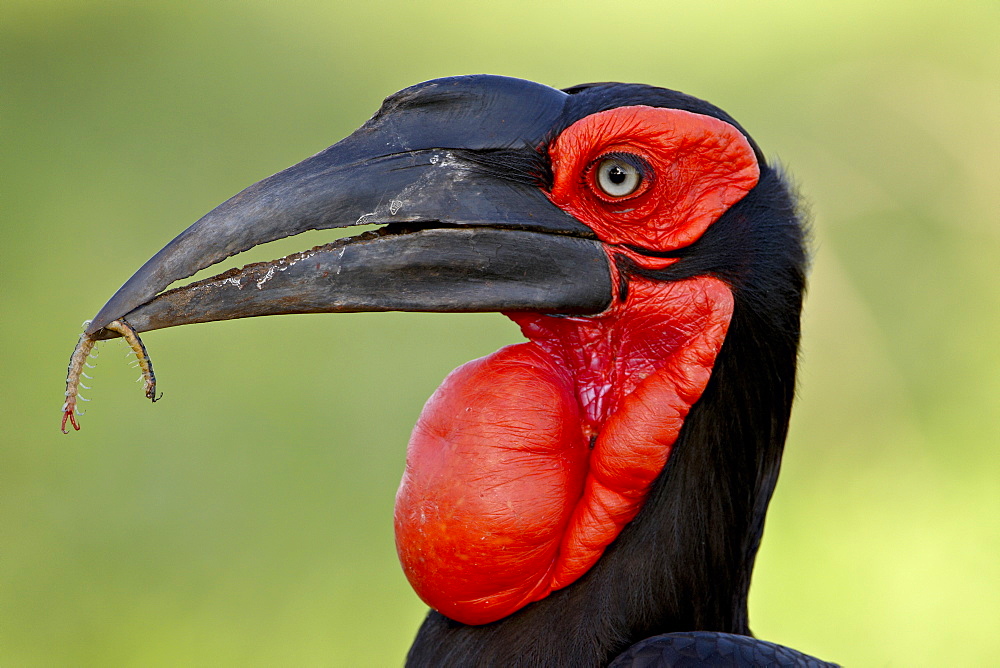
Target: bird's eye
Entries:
(617, 177)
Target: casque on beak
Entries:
(453, 171)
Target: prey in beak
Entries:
(606, 479)
(455, 172)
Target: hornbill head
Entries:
(606, 480)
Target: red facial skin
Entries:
(526, 464)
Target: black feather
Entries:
(684, 563)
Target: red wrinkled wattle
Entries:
(493, 466)
(526, 464)
(503, 500)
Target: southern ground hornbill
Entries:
(598, 491)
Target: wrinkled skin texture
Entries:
(616, 469)
(526, 464)
(504, 499)
(700, 166)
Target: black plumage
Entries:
(685, 562)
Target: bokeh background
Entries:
(246, 519)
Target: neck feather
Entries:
(684, 563)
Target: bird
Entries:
(596, 494)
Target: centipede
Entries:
(85, 350)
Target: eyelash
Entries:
(646, 175)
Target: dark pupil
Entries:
(617, 175)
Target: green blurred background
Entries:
(246, 519)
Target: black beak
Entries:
(452, 169)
